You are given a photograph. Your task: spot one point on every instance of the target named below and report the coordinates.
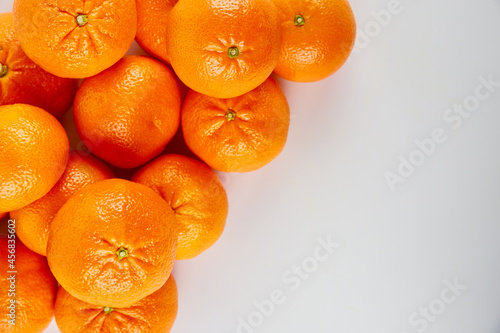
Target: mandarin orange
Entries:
(75, 38)
(152, 27)
(238, 134)
(113, 243)
(196, 196)
(29, 284)
(318, 37)
(34, 150)
(22, 81)
(155, 313)
(127, 114)
(223, 48)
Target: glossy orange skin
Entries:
(254, 138)
(94, 224)
(50, 35)
(201, 32)
(35, 289)
(127, 114)
(195, 194)
(33, 221)
(152, 25)
(319, 47)
(154, 314)
(34, 150)
(27, 83)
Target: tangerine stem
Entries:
(233, 52)
(3, 70)
(108, 310)
(122, 253)
(230, 115)
(82, 20)
(299, 20)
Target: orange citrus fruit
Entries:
(127, 114)
(33, 221)
(22, 81)
(75, 38)
(238, 134)
(318, 37)
(223, 48)
(28, 288)
(34, 150)
(155, 313)
(196, 196)
(152, 25)
(113, 243)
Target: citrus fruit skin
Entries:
(74, 38)
(113, 243)
(223, 48)
(154, 314)
(238, 134)
(152, 25)
(34, 150)
(127, 114)
(35, 288)
(318, 37)
(22, 81)
(196, 196)
(34, 220)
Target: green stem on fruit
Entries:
(233, 52)
(299, 20)
(230, 115)
(82, 20)
(108, 310)
(122, 253)
(3, 70)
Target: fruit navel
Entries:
(122, 253)
(3, 70)
(233, 52)
(299, 20)
(82, 20)
(108, 310)
(230, 115)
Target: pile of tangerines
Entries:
(86, 243)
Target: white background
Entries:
(396, 248)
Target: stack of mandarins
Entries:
(94, 231)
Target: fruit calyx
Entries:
(122, 253)
(82, 19)
(230, 115)
(108, 310)
(233, 52)
(299, 20)
(3, 70)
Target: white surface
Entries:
(396, 248)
